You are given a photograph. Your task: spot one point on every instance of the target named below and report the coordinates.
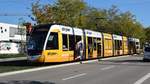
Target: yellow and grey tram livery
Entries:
(108, 45)
(93, 42)
(58, 43)
(53, 43)
(118, 47)
(125, 45)
(134, 45)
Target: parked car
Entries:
(146, 54)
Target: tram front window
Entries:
(37, 40)
(52, 42)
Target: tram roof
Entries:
(91, 33)
(78, 31)
(134, 39)
(42, 27)
(107, 35)
(68, 30)
(117, 37)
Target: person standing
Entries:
(79, 50)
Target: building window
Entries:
(16, 31)
(5, 30)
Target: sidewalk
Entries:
(13, 59)
(25, 58)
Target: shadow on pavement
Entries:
(25, 63)
(25, 82)
(131, 62)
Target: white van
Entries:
(146, 53)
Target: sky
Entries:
(22, 8)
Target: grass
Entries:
(3, 56)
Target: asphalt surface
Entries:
(124, 70)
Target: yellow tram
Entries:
(57, 43)
(93, 42)
(118, 45)
(108, 45)
(125, 45)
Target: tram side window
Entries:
(65, 42)
(99, 44)
(116, 45)
(137, 43)
(95, 43)
(121, 45)
(98, 41)
(137, 47)
(90, 44)
(78, 38)
(71, 42)
(52, 42)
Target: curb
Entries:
(13, 59)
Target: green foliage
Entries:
(77, 13)
(66, 12)
(2, 56)
(147, 33)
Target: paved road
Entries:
(124, 70)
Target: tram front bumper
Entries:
(34, 58)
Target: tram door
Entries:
(94, 47)
(90, 47)
(77, 52)
(131, 47)
(68, 47)
(99, 47)
(116, 48)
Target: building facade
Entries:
(12, 38)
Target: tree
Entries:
(76, 13)
(147, 33)
(66, 12)
(92, 19)
(42, 14)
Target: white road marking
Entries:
(110, 58)
(75, 76)
(141, 80)
(50, 67)
(89, 61)
(109, 67)
(125, 63)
